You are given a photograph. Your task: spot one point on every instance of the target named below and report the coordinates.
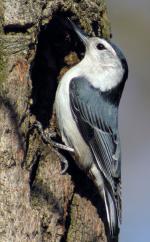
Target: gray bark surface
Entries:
(37, 203)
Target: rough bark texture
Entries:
(37, 203)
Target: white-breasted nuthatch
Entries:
(86, 103)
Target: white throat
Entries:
(103, 77)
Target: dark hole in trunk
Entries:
(55, 41)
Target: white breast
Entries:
(67, 126)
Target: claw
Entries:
(47, 137)
(66, 165)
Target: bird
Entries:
(86, 103)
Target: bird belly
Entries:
(68, 128)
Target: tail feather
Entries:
(118, 201)
(111, 213)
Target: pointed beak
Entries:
(80, 34)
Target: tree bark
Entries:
(37, 203)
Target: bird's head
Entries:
(101, 51)
(103, 59)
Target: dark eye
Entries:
(100, 47)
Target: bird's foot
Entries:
(47, 137)
(64, 162)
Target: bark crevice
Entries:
(17, 28)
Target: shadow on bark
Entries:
(14, 119)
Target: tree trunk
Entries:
(37, 203)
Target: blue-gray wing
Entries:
(97, 120)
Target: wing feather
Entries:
(97, 122)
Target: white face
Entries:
(102, 52)
(102, 64)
